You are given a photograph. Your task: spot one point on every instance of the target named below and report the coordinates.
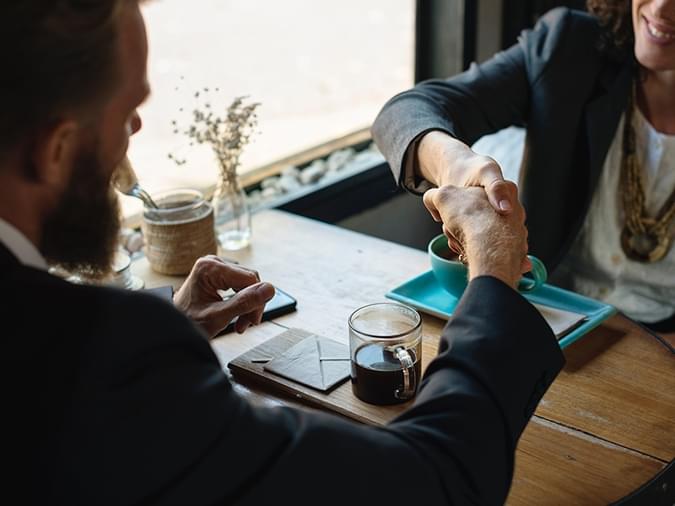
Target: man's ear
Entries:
(55, 152)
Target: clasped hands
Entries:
(481, 217)
(480, 211)
(493, 244)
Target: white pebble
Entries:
(290, 171)
(269, 192)
(134, 243)
(270, 182)
(367, 157)
(288, 184)
(319, 165)
(339, 158)
(311, 174)
(254, 197)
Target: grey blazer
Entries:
(559, 84)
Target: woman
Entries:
(596, 92)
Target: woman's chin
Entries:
(656, 60)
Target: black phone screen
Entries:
(278, 305)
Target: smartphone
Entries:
(278, 305)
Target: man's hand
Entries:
(199, 299)
(443, 160)
(493, 244)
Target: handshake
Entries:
(492, 244)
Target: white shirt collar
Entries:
(24, 250)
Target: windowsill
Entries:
(353, 170)
(253, 178)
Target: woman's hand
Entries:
(443, 160)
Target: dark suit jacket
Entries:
(557, 82)
(113, 397)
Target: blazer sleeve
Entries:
(158, 421)
(484, 99)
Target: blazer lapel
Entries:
(602, 117)
(7, 259)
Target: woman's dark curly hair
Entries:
(616, 16)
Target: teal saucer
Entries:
(424, 293)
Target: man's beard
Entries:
(81, 234)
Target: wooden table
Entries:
(606, 425)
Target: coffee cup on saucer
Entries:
(453, 275)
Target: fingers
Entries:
(232, 263)
(470, 213)
(454, 244)
(237, 277)
(429, 202)
(499, 196)
(200, 296)
(248, 304)
(223, 275)
(490, 177)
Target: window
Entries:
(320, 70)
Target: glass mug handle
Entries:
(409, 377)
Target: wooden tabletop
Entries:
(606, 425)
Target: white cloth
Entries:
(597, 265)
(24, 250)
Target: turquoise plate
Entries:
(425, 294)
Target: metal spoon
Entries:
(140, 193)
(125, 181)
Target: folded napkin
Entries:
(316, 362)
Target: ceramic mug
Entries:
(452, 275)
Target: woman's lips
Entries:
(658, 32)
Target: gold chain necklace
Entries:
(643, 238)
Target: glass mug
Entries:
(385, 349)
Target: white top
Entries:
(596, 265)
(24, 250)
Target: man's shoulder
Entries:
(43, 305)
(74, 340)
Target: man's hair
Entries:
(615, 15)
(58, 57)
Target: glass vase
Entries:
(231, 215)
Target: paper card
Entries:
(317, 362)
(562, 322)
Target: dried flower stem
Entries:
(226, 136)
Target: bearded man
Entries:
(114, 397)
